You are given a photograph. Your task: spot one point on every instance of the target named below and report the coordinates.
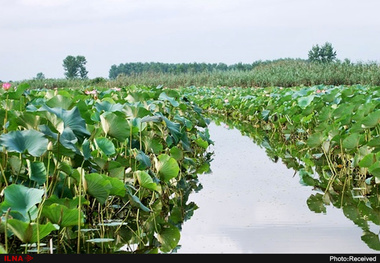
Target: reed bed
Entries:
(284, 73)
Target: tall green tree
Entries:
(323, 54)
(71, 67)
(81, 60)
(75, 67)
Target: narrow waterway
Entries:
(250, 204)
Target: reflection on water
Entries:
(249, 204)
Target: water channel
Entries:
(249, 204)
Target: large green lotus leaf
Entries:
(71, 118)
(324, 114)
(117, 188)
(176, 214)
(202, 143)
(353, 213)
(374, 142)
(47, 131)
(163, 96)
(343, 110)
(37, 171)
(151, 119)
(108, 107)
(70, 203)
(115, 126)
(106, 146)
(153, 145)
(27, 120)
(169, 238)
(265, 114)
(176, 153)
(303, 102)
(351, 141)
(306, 178)
(16, 165)
(68, 140)
(374, 169)
(98, 187)
(316, 204)
(348, 92)
(315, 140)
(22, 200)
(143, 159)
(141, 112)
(174, 128)
(60, 101)
(61, 215)
(331, 95)
(145, 180)
(367, 160)
(116, 169)
(137, 123)
(86, 149)
(167, 167)
(371, 120)
(88, 114)
(135, 201)
(18, 92)
(30, 232)
(31, 141)
(371, 239)
(369, 213)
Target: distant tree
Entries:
(324, 54)
(221, 66)
(113, 72)
(40, 75)
(71, 67)
(81, 60)
(75, 67)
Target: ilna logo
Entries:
(14, 258)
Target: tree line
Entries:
(75, 66)
(318, 54)
(133, 68)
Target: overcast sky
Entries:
(36, 35)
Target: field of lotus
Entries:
(330, 136)
(338, 124)
(97, 171)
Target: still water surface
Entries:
(250, 204)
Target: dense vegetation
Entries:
(286, 73)
(97, 170)
(319, 54)
(107, 165)
(329, 134)
(109, 170)
(339, 123)
(178, 68)
(281, 73)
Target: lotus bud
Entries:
(50, 146)
(128, 170)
